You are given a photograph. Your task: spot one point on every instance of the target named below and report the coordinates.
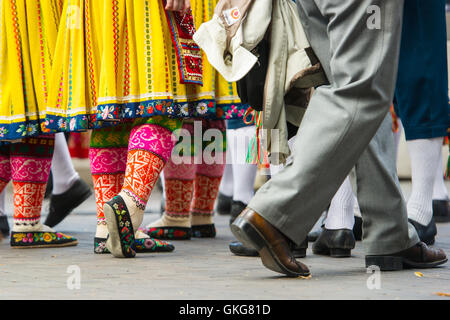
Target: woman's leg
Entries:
(175, 224)
(149, 148)
(208, 175)
(30, 168)
(108, 159)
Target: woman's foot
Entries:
(41, 236)
(168, 228)
(143, 244)
(120, 228)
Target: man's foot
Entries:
(335, 243)
(204, 231)
(440, 211)
(427, 233)
(4, 226)
(419, 256)
(314, 235)
(43, 238)
(273, 247)
(62, 205)
(357, 228)
(236, 208)
(239, 249)
(223, 205)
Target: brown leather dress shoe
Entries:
(273, 247)
(419, 256)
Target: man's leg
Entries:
(385, 219)
(342, 117)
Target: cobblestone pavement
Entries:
(198, 269)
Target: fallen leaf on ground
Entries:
(442, 294)
(418, 274)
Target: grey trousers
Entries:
(345, 126)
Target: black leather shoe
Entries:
(440, 211)
(239, 249)
(314, 235)
(427, 233)
(236, 208)
(357, 228)
(223, 205)
(4, 226)
(273, 247)
(419, 256)
(335, 243)
(63, 204)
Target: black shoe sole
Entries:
(334, 252)
(442, 219)
(245, 232)
(299, 253)
(392, 263)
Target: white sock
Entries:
(63, 172)
(341, 214)
(2, 203)
(439, 189)
(226, 185)
(243, 174)
(424, 155)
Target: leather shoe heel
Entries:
(247, 234)
(273, 247)
(385, 263)
(340, 253)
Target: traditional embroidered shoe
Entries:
(45, 239)
(169, 233)
(145, 245)
(204, 231)
(121, 234)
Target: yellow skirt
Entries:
(130, 59)
(28, 32)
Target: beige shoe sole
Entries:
(68, 244)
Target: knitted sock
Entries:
(424, 155)
(30, 168)
(209, 173)
(439, 189)
(149, 148)
(179, 186)
(341, 214)
(64, 174)
(206, 190)
(108, 159)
